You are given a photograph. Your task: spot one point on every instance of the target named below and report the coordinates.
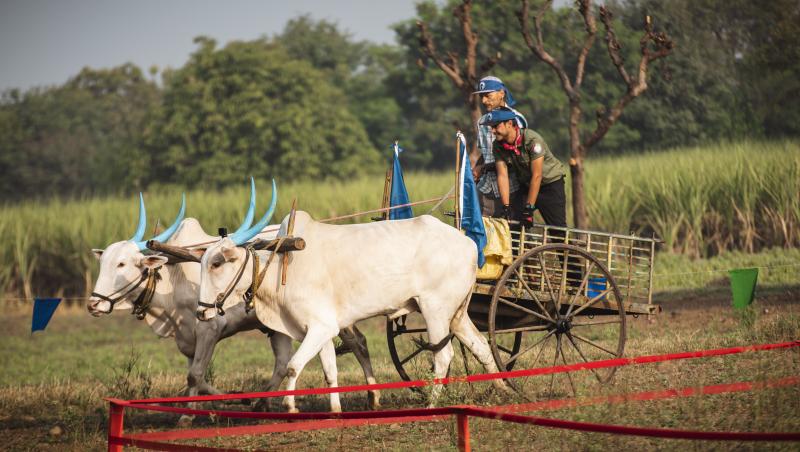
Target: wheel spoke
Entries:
(523, 309)
(555, 360)
(538, 355)
(580, 289)
(562, 288)
(505, 349)
(523, 329)
(533, 296)
(580, 352)
(412, 355)
(594, 344)
(546, 277)
(592, 301)
(604, 322)
(569, 374)
(530, 347)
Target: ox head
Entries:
(226, 267)
(123, 266)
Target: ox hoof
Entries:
(292, 410)
(374, 401)
(185, 421)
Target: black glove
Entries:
(527, 215)
(506, 213)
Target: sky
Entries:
(45, 42)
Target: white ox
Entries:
(172, 310)
(348, 273)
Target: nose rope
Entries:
(113, 301)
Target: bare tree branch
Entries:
(661, 45)
(613, 45)
(585, 8)
(538, 47)
(429, 49)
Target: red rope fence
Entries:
(320, 420)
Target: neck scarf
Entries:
(513, 147)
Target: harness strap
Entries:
(222, 296)
(258, 278)
(135, 284)
(142, 302)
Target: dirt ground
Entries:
(67, 412)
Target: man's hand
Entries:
(506, 213)
(527, 215)
(477, 171)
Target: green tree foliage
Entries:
(250, 109)
(77, 138)
(358, 68)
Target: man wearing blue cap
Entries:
(524, 153)
(494, 94)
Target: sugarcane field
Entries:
(428, 225)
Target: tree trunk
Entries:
(474, 106)
(576, 165)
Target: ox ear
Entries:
(229, 253)
(98, 253)
(153, 261)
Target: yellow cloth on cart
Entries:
(497, 250)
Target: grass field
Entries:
(52, 383)
(701, 201)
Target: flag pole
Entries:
(387, 191)
(457, 209)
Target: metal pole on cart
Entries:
(457, 209)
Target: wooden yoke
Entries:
(176, 254)
(289, 231)
(289, 244)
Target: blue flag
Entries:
(469, 205)
(399, 195)
(43, 309)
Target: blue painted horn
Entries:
(142, 221)
(251, 210)
(167, 233)
(243, 236)
(164, 236)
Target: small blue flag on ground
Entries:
(43, 309)
(399, 195)
(468, 203)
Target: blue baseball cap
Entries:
(498, 115)
(491, 84)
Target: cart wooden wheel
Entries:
(569, 308)
(415, 363)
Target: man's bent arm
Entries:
(536, 180)
(502, 181)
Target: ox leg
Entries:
(358, 344)
(310, 347)
(282, 350)
(206, 337)
(437, 332)
(468, 334)
(327, 356)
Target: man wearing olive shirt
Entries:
(525, 153)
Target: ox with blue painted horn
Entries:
(348, 273)
(171, 310)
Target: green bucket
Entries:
(743, 286)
